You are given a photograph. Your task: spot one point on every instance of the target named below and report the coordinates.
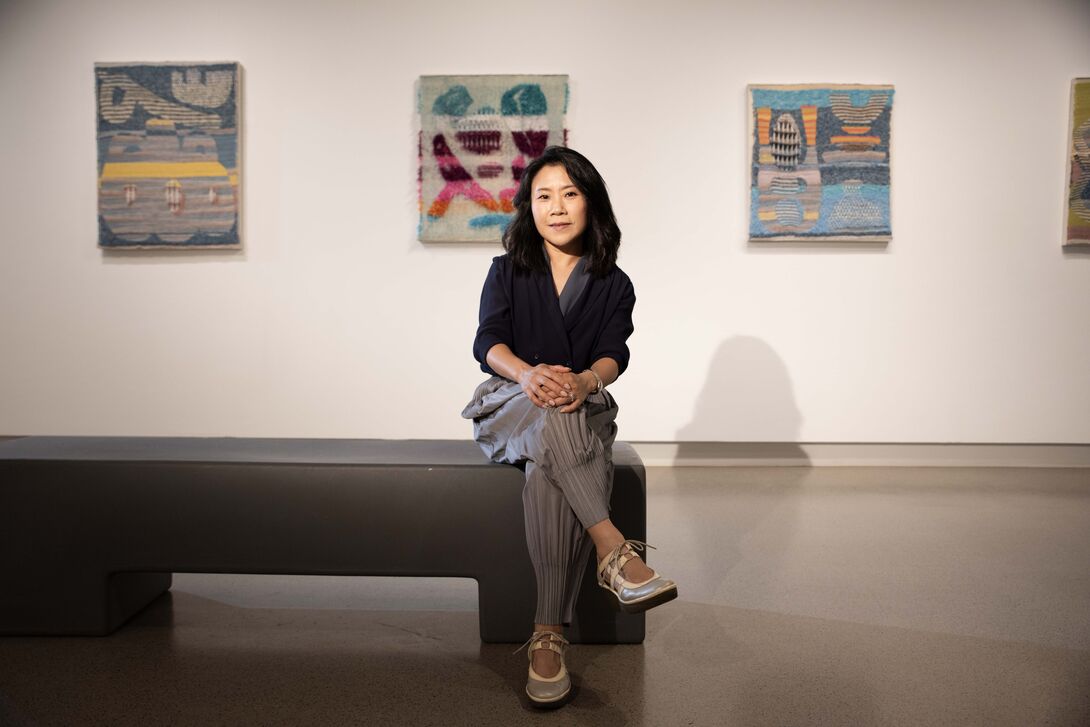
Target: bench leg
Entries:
(506, 607)
(131, 593)
(57, 604)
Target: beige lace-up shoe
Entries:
(633, 597)
(547, 691)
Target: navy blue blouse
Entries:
(522, 310)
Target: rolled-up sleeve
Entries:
(617, 327)
(494, 322)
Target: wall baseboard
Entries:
(862, 454)
(791, 454)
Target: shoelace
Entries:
(615, 555)
(547, 636)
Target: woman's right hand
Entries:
(545, 386)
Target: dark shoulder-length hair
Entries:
(602, 237)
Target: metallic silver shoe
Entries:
(547, 691)
(633, 597)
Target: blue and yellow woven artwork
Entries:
(820, 162)
(168, 155)
(477, 134)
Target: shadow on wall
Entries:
(746, 410)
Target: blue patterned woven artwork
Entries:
(168, 155)
(820, 163)
(477, 134)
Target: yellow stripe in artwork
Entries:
(809, 122)
(159, 170)
(764, 118)
(770, 215)
(855, 140)
(765, 157)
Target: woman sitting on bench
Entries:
(556, 313)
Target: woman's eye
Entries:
(572, 194)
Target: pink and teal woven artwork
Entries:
(168, 155)
(820, 163)
(477, 134)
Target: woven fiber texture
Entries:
(820, 157)
(168, 155)
(1078, 177)
(477, 134)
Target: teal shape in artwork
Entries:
(525, 99)
(455, 101)
(492, 220)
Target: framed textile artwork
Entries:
(477, 134)
(1078, 166)
(168, 155)
(819, 163)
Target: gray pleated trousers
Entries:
(569, 478)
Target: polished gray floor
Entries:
(831, 596)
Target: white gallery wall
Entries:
(970, 326)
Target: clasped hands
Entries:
(551, 386)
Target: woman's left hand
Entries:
(579, 388)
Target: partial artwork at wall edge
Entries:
(820, 163)
(1077, 229)
(168, 155)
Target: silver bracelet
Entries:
(598, 379)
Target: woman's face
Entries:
(560, 209)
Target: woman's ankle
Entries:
(606, 537)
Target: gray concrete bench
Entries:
(91, 528)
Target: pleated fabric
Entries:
(569, 479)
